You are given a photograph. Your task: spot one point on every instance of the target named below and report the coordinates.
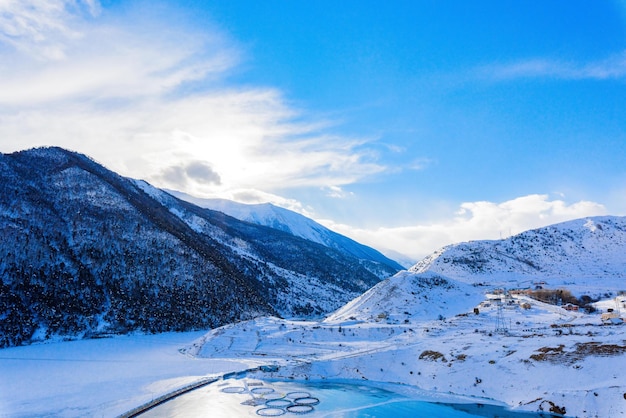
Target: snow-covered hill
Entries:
(585, 255)
(409, 297)
(296, 224)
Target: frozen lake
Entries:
(253, 398)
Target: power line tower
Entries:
(501, 327)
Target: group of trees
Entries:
(563, 297)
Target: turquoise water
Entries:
(252, 398)
(356, 400)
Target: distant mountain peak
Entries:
(276, 217)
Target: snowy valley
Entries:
(532, 323)
(501, 350)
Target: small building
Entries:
(612, 318)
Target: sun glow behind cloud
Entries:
(118, 89)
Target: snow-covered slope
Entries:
(587, 253)
(416, 329)
(548, 360)
(285, 220)
(263, 214)
(409, 297)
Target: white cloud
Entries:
(337, 192)
(613, 67)
(420, 164)
(41, 28)
(147, 95)
(473, 221)
(198, 171)
(254, 196)
(111, 60)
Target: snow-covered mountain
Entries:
(299, 225)
(586, 256)
(85, 251)
(587, 253)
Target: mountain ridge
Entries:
(586, 252)
(86, 251)
(294, 223)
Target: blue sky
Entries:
(406, 125)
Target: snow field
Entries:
(457, 359)
(101, 377)
(544, 362)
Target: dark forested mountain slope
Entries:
(84, 251)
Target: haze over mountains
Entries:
(87, 252)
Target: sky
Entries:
(406, 125)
